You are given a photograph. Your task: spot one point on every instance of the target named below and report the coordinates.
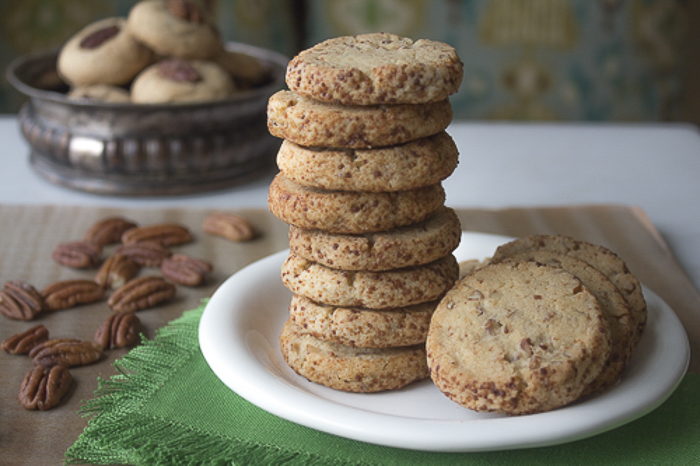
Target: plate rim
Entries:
(303, 407)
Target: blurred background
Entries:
(525, 60)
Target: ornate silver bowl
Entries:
(152, 149)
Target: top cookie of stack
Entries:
(364, 154)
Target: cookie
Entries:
(372, 290)
(368, 328)
(316, 124)
(599, 257)
(416, 244)
(360, 370)
(172, 29)
(246, 70)
(517, 338)
(416, 164)
(377, 68)
(615, 310)
(351, 212)
(100, 93)
(179, 81)
(103, 52)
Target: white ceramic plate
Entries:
(238, 335)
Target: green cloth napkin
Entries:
(166, 407)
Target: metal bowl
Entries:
(145, 149)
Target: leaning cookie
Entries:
(179, 81)
(348, 211)
(360, 370)
(175, 29)
(311, 123)
(517, 338)
(415, 244)
(100, 93)
(103, 52)
(615, 310)
(246, 70)
(599, 257)
(376, 68)
(366, 328)
(416, 164)
(371, 290)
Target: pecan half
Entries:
(69, 293)
(78, 254)
(144, 253)
(230, 226)
(141, 293)
(99, 37)
(118, 331)
(116, 271)
(44, 387)
(22, 343)
(20, 300)
(166, 234)
(185, 270)
(179, 71)
(66, 352)
(108, 231)
(186, 10)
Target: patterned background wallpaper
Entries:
(568, 60)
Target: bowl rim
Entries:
(276, 60)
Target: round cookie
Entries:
(615, 310)
(517, 338)
(360, 370)
(599, 257)
(376, 68)
(100, 93)
(350, 212)
(103, 52)
(372, 290)
(317, 124)
(407, 246)
(416, 164)
(246, 70)
(173, 29)
(178, 81)
(368, 328)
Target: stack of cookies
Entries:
(371, 241)
(549, 319)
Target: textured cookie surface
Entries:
(416, 164)
(415, 244)
(350, 212)
(599, 257)
(369, 328)
(373, 290)
(517, 338)
(615, 310)
(361, 370)
(376, 68)
(317, 124)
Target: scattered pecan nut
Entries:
(186, 10)
(230, 226)
(99, 37)
(70, 293)
(116, 271)
(66, 352)
(108, 231)
(144, 253)
(166, 234)
(20, 300)
(23, 342)
(78, 254)
(185, 270)
(141, 293)
(118, 331)
(44, 387)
